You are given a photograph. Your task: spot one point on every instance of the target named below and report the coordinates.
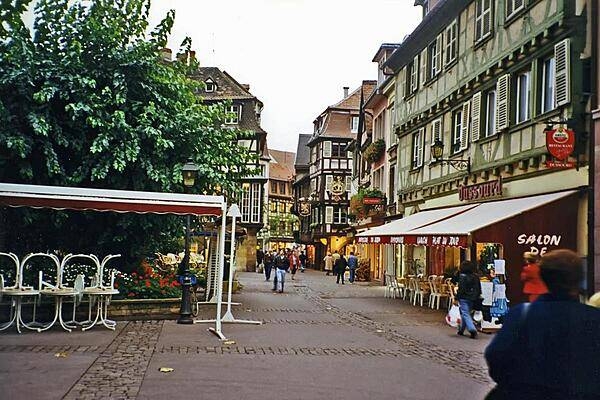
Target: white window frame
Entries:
(548, 82)
(490, 113)
(211, 86)
(418, 147)
(522, 104)
(339, 216)
(233, 114)
(354, 124)
(513, 7)
(457, 124)
(451, 43)
(329, 215)
(251, 202)
(483, 15)
(414, 75)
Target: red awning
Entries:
(122, 201)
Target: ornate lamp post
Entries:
(190, 171)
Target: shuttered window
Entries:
(328, 182)
(502, 102)
(414, 75)
(464, 131)
(548, 95)
(329, 215)
(327, 149)
(475, 116)
(512, 6)
(457, 121)
(423, 60)
(418, 146)
(562, 77)
(523, 96)
(436, 130)
(490, 113)
(483, 19)
(450, 47)
(348, 183)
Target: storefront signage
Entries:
(304, 208)
(538, 243)
(426, 240)
(480, 191)
(373, 200)
(560, 142)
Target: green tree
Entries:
(86, 100)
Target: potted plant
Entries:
(374, 151)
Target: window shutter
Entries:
(487, 17)
(475, 116)
(436, 130)
(423, 66)
(414, 75)
(439, 53)
(464, 130)
(562, 81)
(328, 182)
(421, 147)
(502, 101)
(329, 215)
(348, 183)
(327, 149)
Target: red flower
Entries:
(116, 285)
(131, 294)
(134, 274)
(148, 283)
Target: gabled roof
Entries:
(281, 166)
(303, 151)
(226, 86)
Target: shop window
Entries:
(523, 92)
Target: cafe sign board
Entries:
(480, 191)
(560, 143)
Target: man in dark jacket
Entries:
(340, 268)
(469, 291)
(549, 349)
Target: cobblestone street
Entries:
(318, 340)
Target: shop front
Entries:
(434, 241)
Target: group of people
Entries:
(336, 264)
(548, 347)
(286, 260)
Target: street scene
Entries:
(318, 340)
(307, 199)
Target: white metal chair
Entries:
(420, 291)
(100, 294)
(390, 289)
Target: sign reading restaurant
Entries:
(480, 191)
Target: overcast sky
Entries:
(296, 55)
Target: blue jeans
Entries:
(280, 278)
(351, 279)
(466, 321)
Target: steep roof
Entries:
(226, 86)
(281, 166)
(303, 151)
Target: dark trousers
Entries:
(339, 274)
(268, 271)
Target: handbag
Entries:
(453, 316)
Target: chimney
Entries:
(246, 86)
(346, 88)
(166, 54)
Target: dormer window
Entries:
(210, 85)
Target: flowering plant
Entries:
(147, 283)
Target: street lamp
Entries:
(437, 151)
(190, 171)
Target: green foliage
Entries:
(358, 210)
(87, 101)
(374, 151)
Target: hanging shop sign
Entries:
(480, 191)
(373, 201)
(560, 143)
(304, 208)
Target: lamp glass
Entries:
(437, 149)
(188, 178)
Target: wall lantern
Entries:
(437, 151)
(190, 170)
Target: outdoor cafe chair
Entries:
(100, 294)
(410, 288)
(421, 291)
(390, 290)
(17, 293)
(60, 290)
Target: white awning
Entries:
(393, 231)
(122, 201)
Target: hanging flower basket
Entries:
(358, 209)
(374, 151)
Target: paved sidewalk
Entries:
(319, 340)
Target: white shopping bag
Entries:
(453, 317)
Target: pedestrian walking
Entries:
(340, 268)
(328, 263)
(268, 261)
(294, 262)
(352, 265)
(302, 258)
(282, 265)
(469, 291)
(260, 256)
(533, 286)
(549, 349)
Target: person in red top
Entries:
(533, 286)
(294, 262)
